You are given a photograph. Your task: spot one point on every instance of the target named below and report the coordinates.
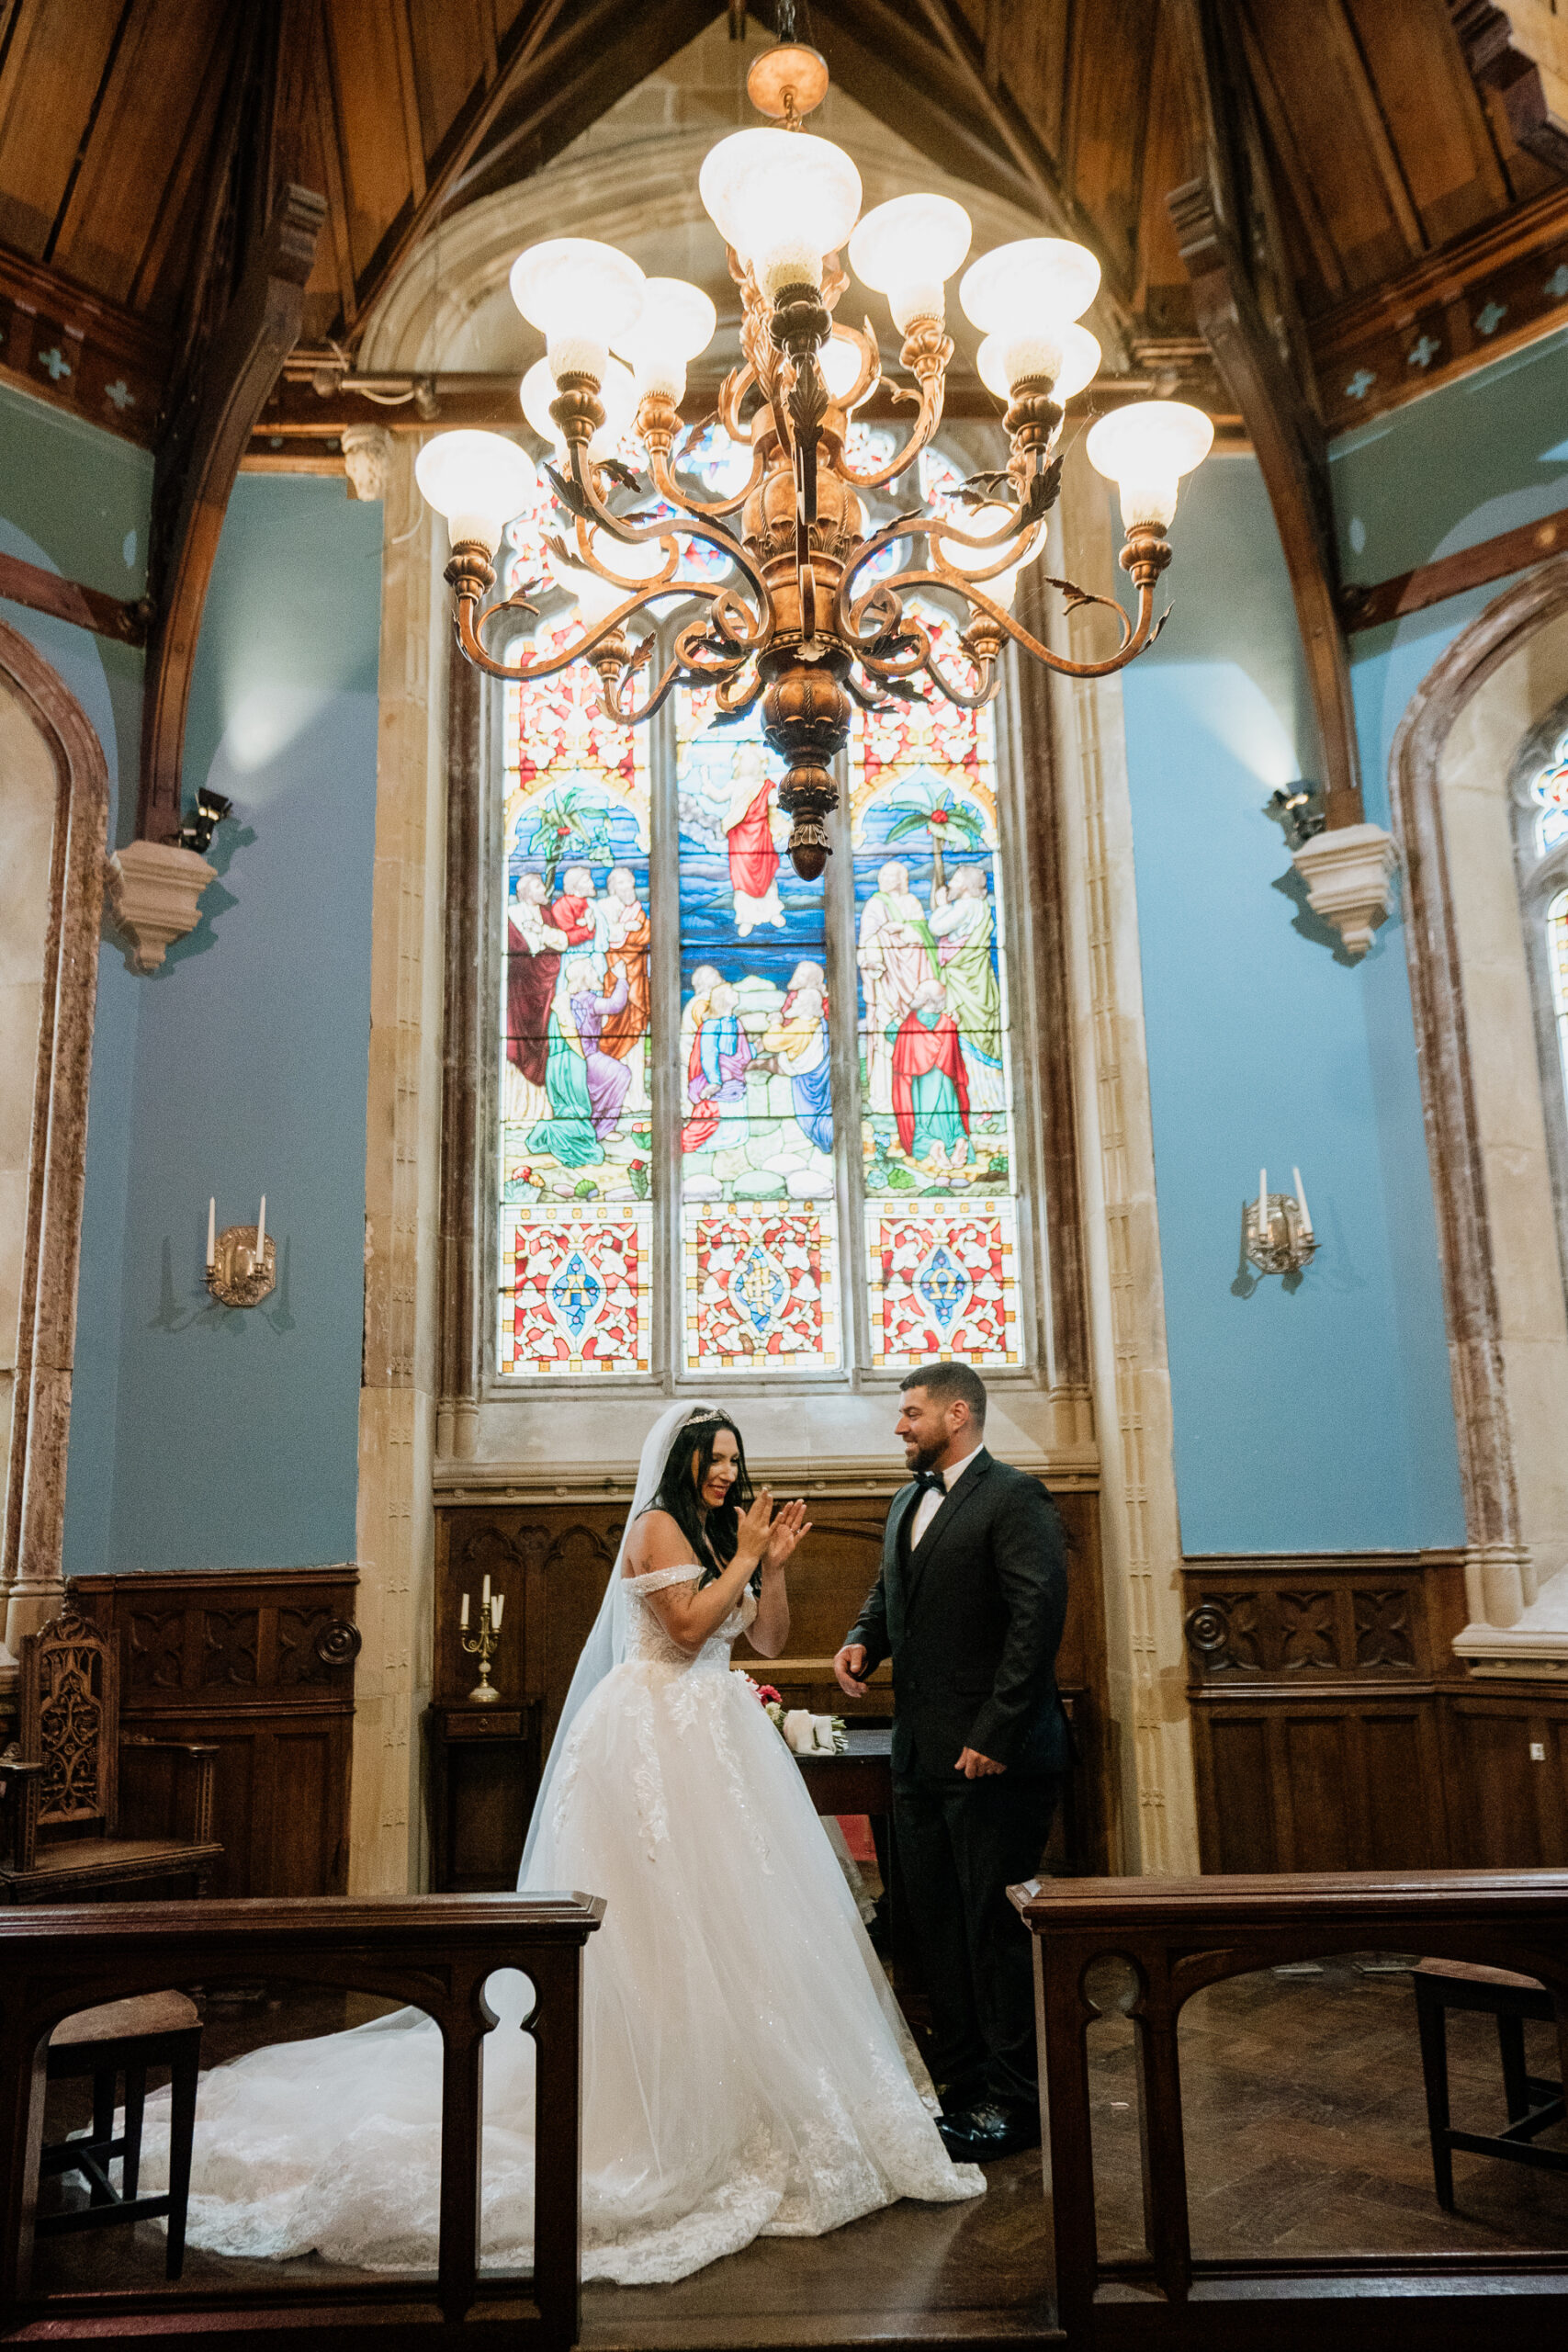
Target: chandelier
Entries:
(808, 618)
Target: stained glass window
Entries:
(1557, 961)
(1549, 794)
(936, 1108)
(754, 1072)
(781, 1109)
(576, 1128)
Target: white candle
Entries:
(1263, 1206)
(484, 1597)
(261, 1236)
(463, 1617)
(211, 1234)
(1301, 1200)
(496, 1606)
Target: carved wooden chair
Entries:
(85, 1804)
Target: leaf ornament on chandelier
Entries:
(805, 615)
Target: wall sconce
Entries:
(1276, 1229)
(242, 1261)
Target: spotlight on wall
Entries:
(1298, 810)
(210, 810)
(242, 1261)
(1276, 1229)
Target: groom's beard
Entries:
(923, 1457)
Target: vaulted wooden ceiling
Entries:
(121, 120)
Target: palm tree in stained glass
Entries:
(567, 826)
(933, 810)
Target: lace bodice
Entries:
(647, 1641)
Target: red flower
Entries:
(767, 1695)
(938, 817)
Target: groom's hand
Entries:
(975, 1766)
(848, 1666)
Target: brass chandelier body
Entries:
(799, 624)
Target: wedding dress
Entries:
(746, 2071)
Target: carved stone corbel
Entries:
(155, 891)
(1348, 875)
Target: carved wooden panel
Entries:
(261, 1666)
(1339, 1782)
(1306, 1620)
(552, 1560)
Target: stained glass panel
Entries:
(1557, 957)
(936, 1128)
(575, 1106)
(1549, 793)
(753, 1065)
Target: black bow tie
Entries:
(929, 1482)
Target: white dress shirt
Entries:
(932, 1501)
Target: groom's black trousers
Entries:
(961, 1843)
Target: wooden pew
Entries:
(433, 1951)
(1176, 1936)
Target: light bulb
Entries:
(1037, 283)
(1144, 448)
(1069, 356)
(971, 560)
(478, 480)
(677, 321)
(783, 198)
(908, 249)
(617, 392)
(582, 297)
(840, 362)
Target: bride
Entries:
(746, 2070)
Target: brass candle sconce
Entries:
(1277, 1235)
(242, 1261)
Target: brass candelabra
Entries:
(483, 1643)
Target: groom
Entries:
(969, 1606)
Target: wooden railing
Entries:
(1180, 1935)
(432, 1952)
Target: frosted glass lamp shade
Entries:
(582, 297)
(783, 198)
(1037, 282)
(840, 362)
(478, 480)
(972, 561)
(1068, 356)
(616, 390)
(1144, 450)
(908, 249)
(677, 321)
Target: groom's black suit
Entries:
(972, 1617)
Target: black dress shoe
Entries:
(982, 2134)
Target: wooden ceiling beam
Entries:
(1521, 53)
(473, 123)
(407, 91)
(1373, 125)
(195, 479)
(1292, 165)
(329, 130)
(1216, 222)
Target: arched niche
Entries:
(54, 820)
(1453, 772)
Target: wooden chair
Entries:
(68, 1839)
(1532, 2101)
(127, 2038)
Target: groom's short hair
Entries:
(949, 1384)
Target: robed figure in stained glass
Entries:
(569, 1133)
(962, 925)
(748, 837)
(628, 938)
(798, 1041)
(931, 1086)
(715, 1068)
(533, 967)
(896, 957)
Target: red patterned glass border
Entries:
(577, 1297)
(943, 1284)
(759, 1292)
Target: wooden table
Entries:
(860, 1781)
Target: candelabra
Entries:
(1277, 1232)
(483, 1643)
(804, 622)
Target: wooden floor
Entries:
(1305, 2130)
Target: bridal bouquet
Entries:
(807, 1733)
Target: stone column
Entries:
(1129, 1370)
(396, 1405)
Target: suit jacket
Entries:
(972, 1619)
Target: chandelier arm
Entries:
(622, 713)
(470, 638)
(1134, 635)
(591, 563)
(664, 481)
(920, 432)
(637, 535)
(735, 704)
(990, 687)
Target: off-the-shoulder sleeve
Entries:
(657, 1579)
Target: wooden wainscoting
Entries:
(552, 1559)
(260, 1663)
(1334, 1729)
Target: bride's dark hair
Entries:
(679, 1492)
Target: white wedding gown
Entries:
(746, 2070)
